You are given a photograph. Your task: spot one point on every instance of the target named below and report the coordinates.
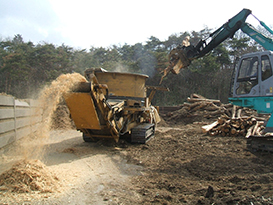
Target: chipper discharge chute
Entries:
(113, 105)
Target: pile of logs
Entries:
(203, 108)
(239, 122)
(230, 120)
(208, 108)
(242, 126)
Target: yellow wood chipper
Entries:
(113, 105)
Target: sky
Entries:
(82, 24)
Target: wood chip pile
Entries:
(28, 176)
(61, 118)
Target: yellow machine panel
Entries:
(83, 111)
(124, 84)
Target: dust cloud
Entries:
(49, 98)
(30, 174)
(52, 95)
(121, 68)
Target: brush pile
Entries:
(28, 176)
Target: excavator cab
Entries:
(253, 88)
(253, 84)
(247, 77)
(253, 75)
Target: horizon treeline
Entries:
(25, 68)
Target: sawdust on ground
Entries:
(28, 176)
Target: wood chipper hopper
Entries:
(113, 105)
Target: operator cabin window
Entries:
(248, 75)
(266, 68)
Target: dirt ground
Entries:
(180, 165)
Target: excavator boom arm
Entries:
(221, 34)
(266, 42)
(181, 56)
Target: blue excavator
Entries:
(252, 82)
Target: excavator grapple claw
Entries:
(177, 60)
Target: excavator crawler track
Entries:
(260, 143)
